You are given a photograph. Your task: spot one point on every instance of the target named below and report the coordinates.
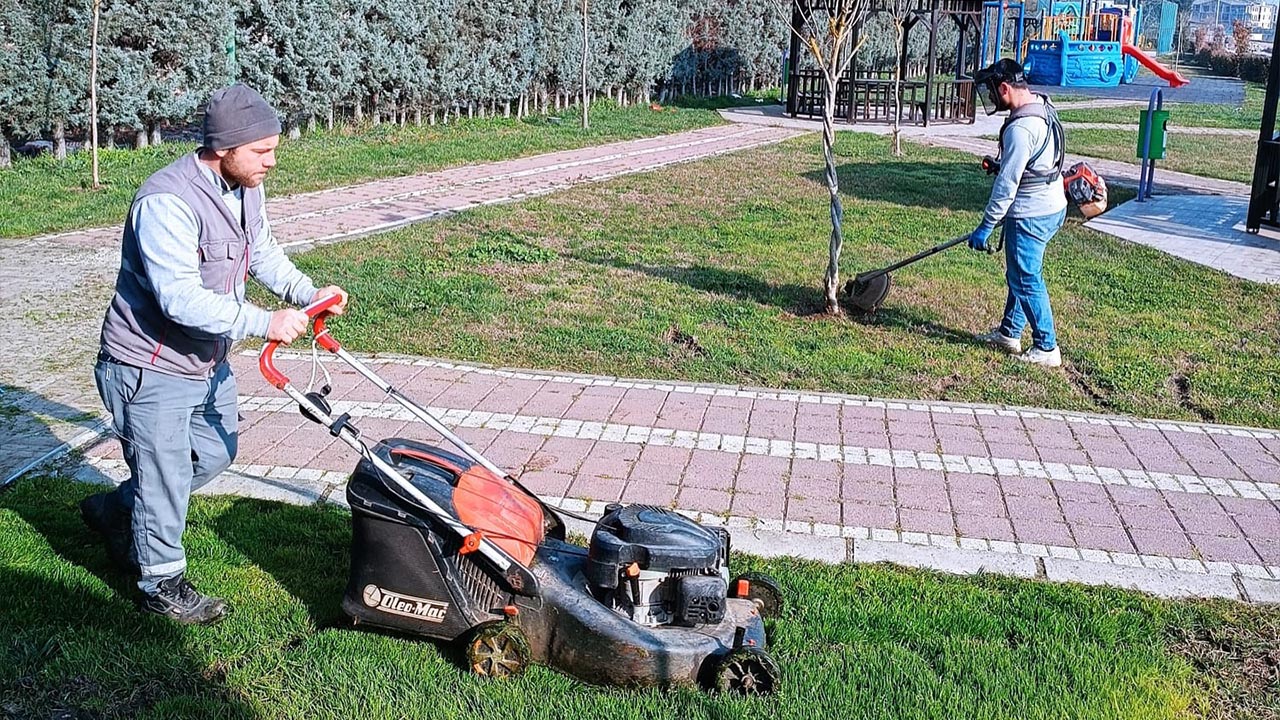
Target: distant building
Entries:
(1259, 16)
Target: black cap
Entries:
(1004, 70)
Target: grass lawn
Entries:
(711, 271)
(856, 642)
(1226, 157)
(1186, 115)
(43, 196)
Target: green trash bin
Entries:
(1159, 134)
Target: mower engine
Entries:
(657, 567)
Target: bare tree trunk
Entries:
(359, 113)
(93, 92)
(6, 154)
(586, 101)
(295, 131)
(506, 109)
(139, 138)
(156, 138)
(329, 119)
(831, 281)
(897, 88)
(59, 141)
(311, 124)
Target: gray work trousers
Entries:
(178, 433)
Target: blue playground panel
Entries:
(1083, 63)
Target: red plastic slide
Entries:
(1175, 79)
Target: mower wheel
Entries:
(747, 671)
(499, 650)
(761, 590)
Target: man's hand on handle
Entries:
(287, 325)
(328, 290)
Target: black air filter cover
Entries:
(654, 538)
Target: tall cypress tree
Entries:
(61, 72)
(18, 53)
(652, 34)
(496, 39)
(287, 51)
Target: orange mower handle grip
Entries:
(318, 311)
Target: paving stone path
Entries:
(1169, 507)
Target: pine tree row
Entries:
(322, 62)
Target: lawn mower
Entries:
(447, 546)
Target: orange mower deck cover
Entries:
(500, 511)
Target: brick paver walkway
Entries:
(1205, 229)
(1174, 508)
(381, 205)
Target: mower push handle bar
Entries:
(317, 311)
(918, 256)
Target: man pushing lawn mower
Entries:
(195, 231)
(1028, 197)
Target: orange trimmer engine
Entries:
(1086, 189)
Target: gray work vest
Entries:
(1054, 134)
(135, 330)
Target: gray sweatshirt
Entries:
(1010, 196)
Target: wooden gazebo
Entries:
(866, 95)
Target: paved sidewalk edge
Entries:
(85, 437)
(1174, 578)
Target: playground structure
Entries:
(1076, 43)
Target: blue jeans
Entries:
(1025, 240)
(177, 433)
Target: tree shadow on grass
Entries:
(908, 319)
(71, 648)
(952, 185)
(798, 300)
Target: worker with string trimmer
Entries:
(1029, 200)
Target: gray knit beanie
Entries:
(236, 116)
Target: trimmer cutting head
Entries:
(867, 294)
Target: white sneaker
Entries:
(1036, 356)
(997, 339)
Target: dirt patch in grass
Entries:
(1237, 657)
